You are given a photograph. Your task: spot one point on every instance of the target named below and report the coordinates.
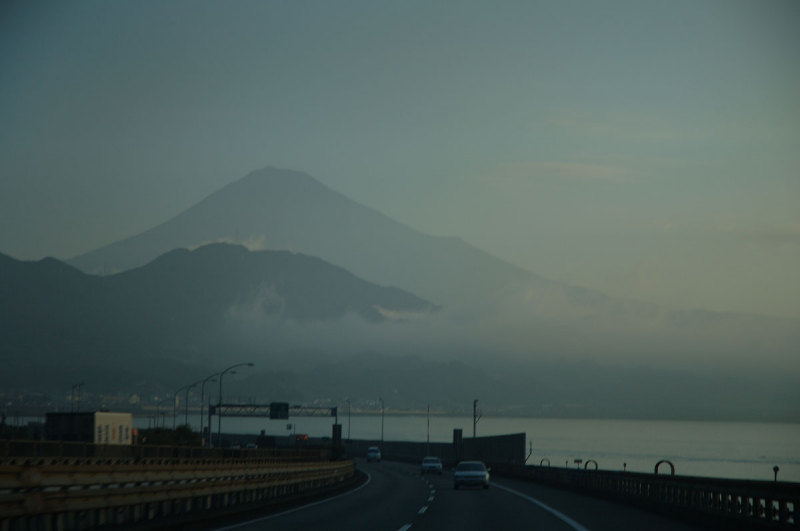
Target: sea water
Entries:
(739, 450)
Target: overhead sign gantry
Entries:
(273, 410)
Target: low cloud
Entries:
(578, 171)
(252, 243)
(620, 125)
(769, 236)
(538, 324)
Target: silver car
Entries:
(471, 474)
(373, 454)
(432, 465)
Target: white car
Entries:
(432, 465)
(471, 473)
(373, 454)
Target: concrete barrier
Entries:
(720, 503)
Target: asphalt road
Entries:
(397, 498)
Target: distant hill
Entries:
(201, 284)
(54, 316)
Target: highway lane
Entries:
(593, 513)
(495, 509)
(388, 501)
(397, 498)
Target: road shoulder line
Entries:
(295, 509)
(561, 516)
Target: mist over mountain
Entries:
(456, 322)
(486, 301)
(185, 305)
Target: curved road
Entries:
(397, 498)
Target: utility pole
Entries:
(428, 439)
(476, 416)
(382, 408)
(348, 418)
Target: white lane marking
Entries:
(561, 516)
(271, 516)
(433, 491)
(424, 508)
(405, 527)
(430, 499)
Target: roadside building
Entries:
(98, 427)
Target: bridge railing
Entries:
(739, 503)
(71, 493)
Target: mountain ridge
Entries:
(55, 313)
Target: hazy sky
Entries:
(647, 149)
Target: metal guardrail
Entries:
(69, 493)
(725, 502)
(52, 449)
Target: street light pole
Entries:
(219, 399)
(348, 419)
(382, 408)
(158, 412)
(202, 405)
(175, 402)
(74, 394)
(186, 405)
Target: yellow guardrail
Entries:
(128, 490)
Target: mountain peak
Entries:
(279, 209)
(273, 176)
